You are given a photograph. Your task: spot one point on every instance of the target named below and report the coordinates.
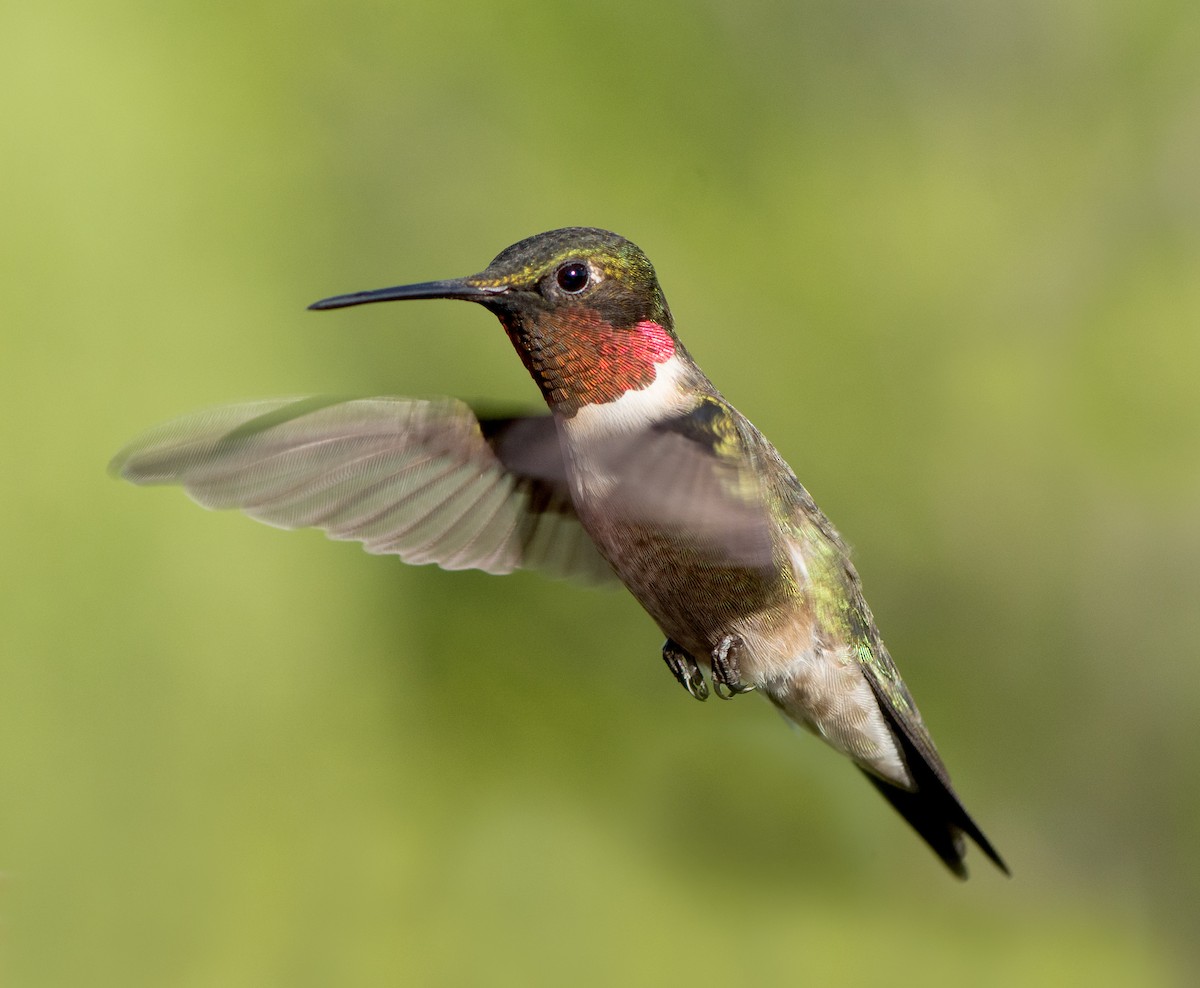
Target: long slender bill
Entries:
(457, 288)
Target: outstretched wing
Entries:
(427, 481)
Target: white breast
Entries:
(594, 434)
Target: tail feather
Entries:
(931, 807)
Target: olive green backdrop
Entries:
(944, 254)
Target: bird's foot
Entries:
(726, 671)
(683, 667)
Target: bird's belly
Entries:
(696, 601)
(783, 654)
(696, 597)
(827, 692)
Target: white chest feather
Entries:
(635, 409)
(599, 437)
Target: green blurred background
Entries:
(946, 255)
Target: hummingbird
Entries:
(641, 472)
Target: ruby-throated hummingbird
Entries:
(642, 471)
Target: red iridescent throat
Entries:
(579, 359)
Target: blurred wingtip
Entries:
(117, 466)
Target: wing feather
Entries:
(428, 481)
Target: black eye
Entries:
(572, 278)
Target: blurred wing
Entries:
(425, 480)
(695, 475)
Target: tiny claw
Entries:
(685, 670)
(726, 672)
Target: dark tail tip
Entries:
(931, 806)
(935, 813)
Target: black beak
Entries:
(457, 288)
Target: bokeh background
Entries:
(947, 255)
